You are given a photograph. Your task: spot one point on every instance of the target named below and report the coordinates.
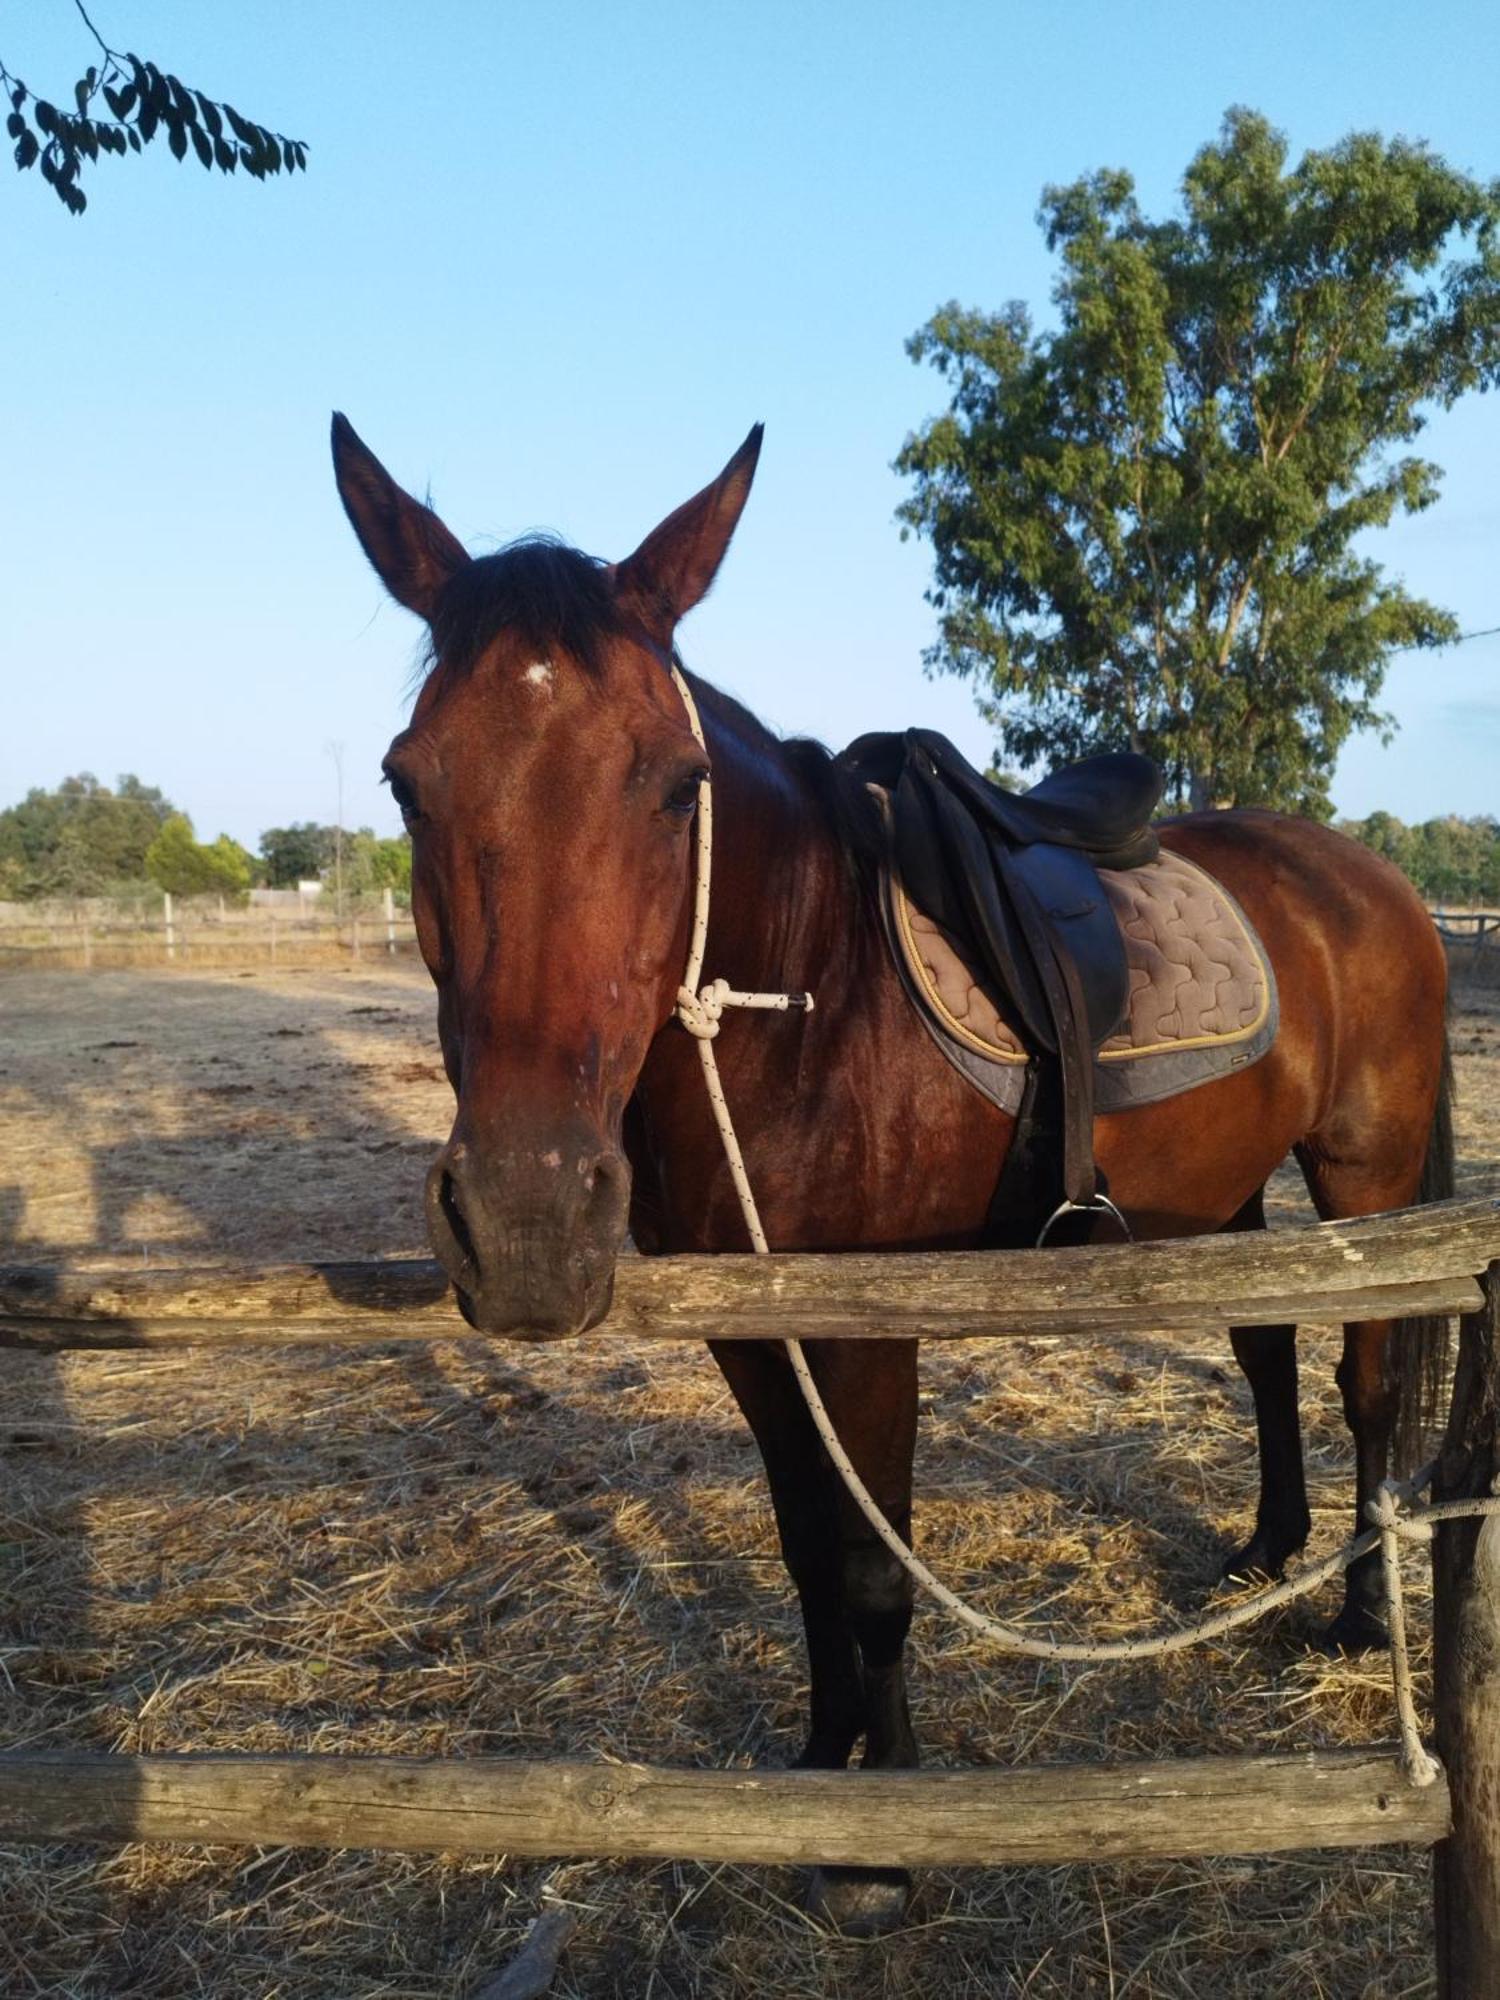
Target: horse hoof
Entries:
(1254, 1563)
(1355, 1630)
(859, 1902)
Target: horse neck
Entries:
(787, 911)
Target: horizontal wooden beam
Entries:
(1071, 1812)
(1411, 1261)
(748, 1321)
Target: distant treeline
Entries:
(1451, 860)
(84, 839)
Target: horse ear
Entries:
(673, 568)
(413, 553)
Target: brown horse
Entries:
(549, 779)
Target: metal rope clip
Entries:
(1099, 1204)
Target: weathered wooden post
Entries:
(1466, 1665)
(388, 903)
(166, 910)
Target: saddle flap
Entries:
(945, 858)
(1014, 878)
(1080, 918)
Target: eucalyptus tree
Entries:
(1150, 517)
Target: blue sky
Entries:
(553, 261)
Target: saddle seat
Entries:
(1101, 806)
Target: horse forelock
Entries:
(553, 598)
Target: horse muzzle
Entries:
(529, 1240)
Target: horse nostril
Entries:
(606, 1185)
(453, 1215)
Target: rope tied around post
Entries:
(1384, 1510)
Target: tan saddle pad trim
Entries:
(1198, 977)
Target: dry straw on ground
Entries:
(569, 1552)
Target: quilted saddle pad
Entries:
(1202, 991)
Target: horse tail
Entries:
(1422, 1343)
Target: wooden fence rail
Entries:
(1417, 1260)
(1412, 1261)
(895, 1819)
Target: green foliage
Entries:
(1451, 860)
(79, 839)
(298, 853)
(232, 867)
(176, 862)
(305, 852)
(1145, 522)
(144, 103)
(371, 865)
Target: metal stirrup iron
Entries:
(1097, 1204)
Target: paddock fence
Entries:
(1443, 1258)
(1471, 939)
(202, 933)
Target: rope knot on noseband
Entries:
(700, 1013)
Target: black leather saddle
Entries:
(1014, 879)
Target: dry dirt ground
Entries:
(569, 1552)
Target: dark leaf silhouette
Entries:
(143, 101)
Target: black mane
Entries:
(551, 595)
(838, 793)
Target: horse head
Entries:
(549, 780)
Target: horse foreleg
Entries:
(805, 1504)
(855, 1597)
(872, 1398)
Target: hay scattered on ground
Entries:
(569, 1552)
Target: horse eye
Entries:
(401, 792)
(682, 801)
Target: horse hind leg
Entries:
(1371, 1388)
(1268, 1357)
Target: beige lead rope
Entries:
(699, 1009)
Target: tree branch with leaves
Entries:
(144, 103)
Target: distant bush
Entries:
(181, 865)
(1450, 860)
(80, 840)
